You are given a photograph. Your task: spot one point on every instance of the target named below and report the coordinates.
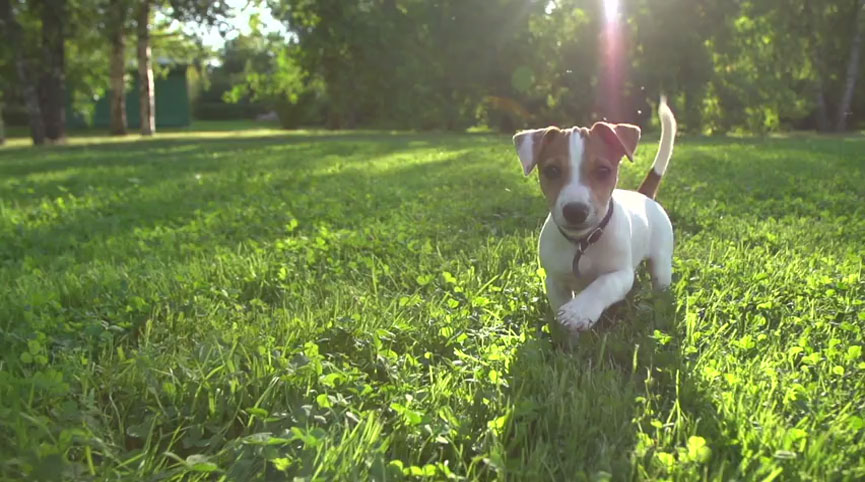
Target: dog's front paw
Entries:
(576, 316)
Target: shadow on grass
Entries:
(601, 408)
(27, 161)
(585, 412)
(270, 190)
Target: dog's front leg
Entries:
(582, 312)
(558, 292)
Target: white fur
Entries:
(639, 229)
(525, 147)
(668, 134)
(524, 141)
(574, 189)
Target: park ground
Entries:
(249, 304)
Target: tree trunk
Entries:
(31, 98)
(810, 16)
(24, 71)
(820, 99)
(117, 19)
(2, 126)
(852, 69)
(53, 81)
(145, 72)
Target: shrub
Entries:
(226, 111)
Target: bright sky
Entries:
(239, 16)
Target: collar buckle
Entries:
(595, 235)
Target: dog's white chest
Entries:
(557, 258)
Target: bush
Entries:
(224, 111)
(307, 111)
(15, 114)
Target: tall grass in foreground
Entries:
(368, 306)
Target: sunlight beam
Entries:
(611, 10)
(612, 68)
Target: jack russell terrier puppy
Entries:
(596, 235)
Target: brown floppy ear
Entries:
(529, 143)
(622, 139)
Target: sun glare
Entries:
(611, 10)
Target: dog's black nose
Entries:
(575, 213)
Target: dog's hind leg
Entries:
(661, 267)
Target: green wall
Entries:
(172, 104)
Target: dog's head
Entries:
(578, 168)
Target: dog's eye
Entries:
(552, 172)
(603, 172)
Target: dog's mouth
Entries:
(576, 230)
(574, 227)
(571, 227)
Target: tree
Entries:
(333, 35)
(2, 125)
(60, 56)
(408, 63)
(265, 70)
(788, 62)
(852, 67)
(52, 84)
(753, 66)
(200, 11)
(671, 52)
(5, 75)
(24, 69)
(146, 96)
(41, 32)
(118, 13)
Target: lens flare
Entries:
(611, 10)
(610, 103)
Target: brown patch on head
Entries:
(554, 168)
(621, 139)
(605, 145)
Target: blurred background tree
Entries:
(69, 52)
(729, 66)
(448, 64)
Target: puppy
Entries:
(596, 235)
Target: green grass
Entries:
(251, 305)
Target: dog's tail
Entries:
(650, 184)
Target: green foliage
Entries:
(762, 75)
(258, 74)
(280, 78)
(221, 79)
(450, 64)
(345, 306)
(271, 76)
(87, 53)
(455, 64)
(409, 63)
(88, 49)
(220, 111)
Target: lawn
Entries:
(348, 306)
